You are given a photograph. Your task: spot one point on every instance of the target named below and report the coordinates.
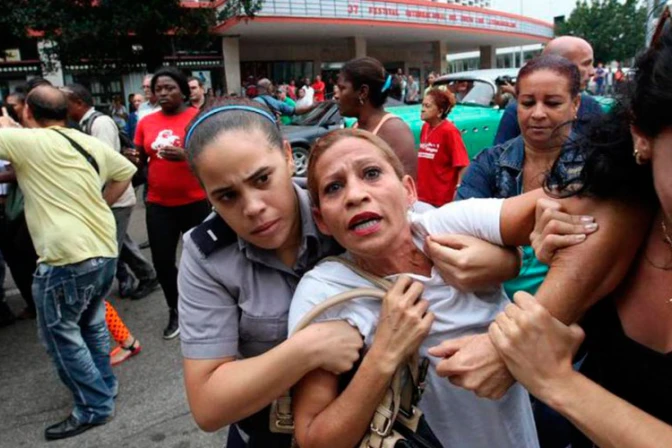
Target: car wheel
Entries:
(300, 161)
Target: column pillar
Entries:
(488, 57)
(231, 52)
(439, 53)
(52, 70)
(357, 46)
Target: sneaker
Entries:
(173, 328)
(126, 287)
(145, 288)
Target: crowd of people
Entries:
(492, 271)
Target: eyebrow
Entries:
(252, 176)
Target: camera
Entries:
(504, 79)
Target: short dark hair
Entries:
(20, 96)
(47, 104)
(177, 75)
(226, 121)
(370, 72)
(37, 82)
(79, 93)
(557, 64)
(197, 79)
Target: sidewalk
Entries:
(151, 409)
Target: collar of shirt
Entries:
(86, 116)
(312, 241)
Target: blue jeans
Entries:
(71, 324)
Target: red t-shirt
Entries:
(170, 183)
(442, 153)
(318, 87)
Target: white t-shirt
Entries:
(458, 417)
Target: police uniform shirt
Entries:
(235, 297)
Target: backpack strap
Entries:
(88, 124)
(89, 158)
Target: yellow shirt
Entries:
(67, 217)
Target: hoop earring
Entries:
(638, 157)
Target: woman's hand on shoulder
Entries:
(469, 263)
(554, 229)
(403, 324)
(336, 345)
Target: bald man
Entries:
(580, 53)
(61, 172)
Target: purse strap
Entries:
(89, 158)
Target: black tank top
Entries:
(626, 368)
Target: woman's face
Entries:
(249, 183)
(168, 93)
(348, 98)
(363, 204)
(545, 103)
(659, 151)
(430, 110)
(431, 78)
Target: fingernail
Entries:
(587, 219)
(580, 237)
(590, 227)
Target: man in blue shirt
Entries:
(580, 53)
(265, 97)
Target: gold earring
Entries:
(638, 157)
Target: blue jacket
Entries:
(508, 125)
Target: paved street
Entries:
(151, 408)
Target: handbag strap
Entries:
(89, 158)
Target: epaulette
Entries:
(213, 234)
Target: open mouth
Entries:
(364, 221)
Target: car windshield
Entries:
(314, 117)
(474, 92)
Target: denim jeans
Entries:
(71, 324)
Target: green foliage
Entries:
(116, 35)
(615, 29)
(241, 8)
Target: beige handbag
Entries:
(398, 406)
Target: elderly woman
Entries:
(363, 200)
(622, 396)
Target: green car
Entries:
(476, 115)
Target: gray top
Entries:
(234, 300)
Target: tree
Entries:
(117, 35)
(615, 29)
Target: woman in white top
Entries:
(363, 201)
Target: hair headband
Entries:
(220, 109)
(388, 83)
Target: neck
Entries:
(288, 252)
(401, 257)
(178, 110)
(369, 117)
(50, 123)
(434, 122)
(541, 156)
(198, 103)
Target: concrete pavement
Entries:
(151, 409)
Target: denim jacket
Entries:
(497, 172)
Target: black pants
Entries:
(19, 252)
(164, 227)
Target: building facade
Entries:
(293, 39)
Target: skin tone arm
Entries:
(538, 350)
(580, 275)
(224, 391)
(397, 134)
(114, 189)
(322, 417)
